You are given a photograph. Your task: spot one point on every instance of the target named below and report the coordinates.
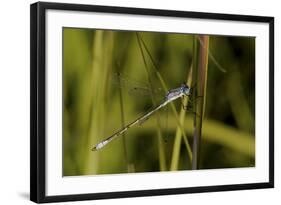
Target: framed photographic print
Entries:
(129, 102)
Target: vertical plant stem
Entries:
(94, 121)
(161, 148)
(200, 59)
(178, 136)
(123, 125)
(101, 68)
(172, 104)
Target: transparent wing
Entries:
(133, 86)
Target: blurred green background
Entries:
(97, 102)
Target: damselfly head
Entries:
(185, 89)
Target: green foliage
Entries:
(95, 106)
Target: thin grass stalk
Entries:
(123, 125)
(178, 135)
(211, 56)
(101, 68)
(200, 59)
(161, 147)
(165, 87)
(238, 102)
(95, 123)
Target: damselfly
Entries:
(172, 95)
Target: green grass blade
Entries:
(178, 135)
(218, 133)
(165, 87)
(161, 147)
(123, 125)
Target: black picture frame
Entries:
(38, 101)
